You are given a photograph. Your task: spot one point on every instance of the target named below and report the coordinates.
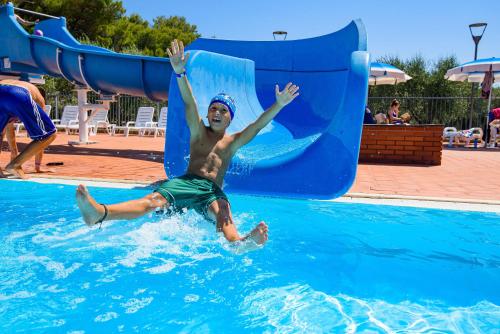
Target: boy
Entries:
(22, 100)
(211, 150)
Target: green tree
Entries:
(104, 23)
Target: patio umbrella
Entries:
(475, 71)
(385, 74)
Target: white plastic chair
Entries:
(68, 119)
(142, 123)
(380, 118)
(474, 134)
(450, 133)
(162, 122)
(100, 120)
(477, 133)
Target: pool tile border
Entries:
(362, 198)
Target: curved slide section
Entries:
(58, 54)
(311, 148)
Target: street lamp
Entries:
(280, 33)
(476, 31)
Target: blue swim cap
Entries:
(225, 100)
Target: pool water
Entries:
(327, 268)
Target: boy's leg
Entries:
(10, 133)
(93, 212)
(220, 211)
(33, 148)
(2, 133)
(38, 164)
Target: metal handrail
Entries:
(35, 13)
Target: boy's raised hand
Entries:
(287, 95)
(177, 57)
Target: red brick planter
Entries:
(405, 144)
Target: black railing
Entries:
(450, 111)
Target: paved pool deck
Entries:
(465, 175)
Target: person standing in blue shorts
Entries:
(211, 151)
(22, 100)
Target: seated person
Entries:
(368, 119)
(494, 123)
(393, 113)
(22, 100)
(381, 118)
(406, 117)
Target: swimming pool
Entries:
(328, 267)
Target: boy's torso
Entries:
(210, 156)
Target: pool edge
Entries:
(361, 198)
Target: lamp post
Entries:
(280, 33)
(476, 31)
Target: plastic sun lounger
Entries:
(162, 122)
(451, 134)
(142, 123)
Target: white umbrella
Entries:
(474, 71)
(385, 74)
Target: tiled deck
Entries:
(465, 173)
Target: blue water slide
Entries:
(58, 54)
(311, 148)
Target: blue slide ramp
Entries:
(311, 148)
(58, 54)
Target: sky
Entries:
(403, 28)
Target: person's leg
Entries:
(493, 134)
(93, 212)
(2, 133)
(38, 164)
(10, 133)
(220, 211)
(33, 148)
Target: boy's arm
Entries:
(282, 99)
(178, 61)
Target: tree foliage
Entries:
(105, 23)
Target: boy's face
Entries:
(218, 116)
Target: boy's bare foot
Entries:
(91, 211)
(259, 233)
(44, 170)
(18, 172)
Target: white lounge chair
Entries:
(451, 134)
(472, 134)
(98, 120)
(143, 122)
(380, 118)
(69, 118)
(162, 122)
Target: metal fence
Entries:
(450, 111)
(123, 110)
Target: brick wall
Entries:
(406, 144)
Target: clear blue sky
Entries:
(401, 28)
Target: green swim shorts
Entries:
(191, 192)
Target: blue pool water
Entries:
(328, 267)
